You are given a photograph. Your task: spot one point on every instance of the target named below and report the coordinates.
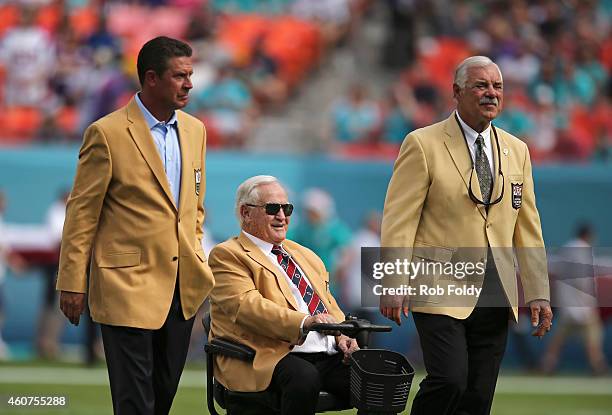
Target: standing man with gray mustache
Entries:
(462, 192)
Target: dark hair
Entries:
(584, 230)
(155, 55)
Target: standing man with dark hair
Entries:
(462, 193)
(134, 218)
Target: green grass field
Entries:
(88, 393)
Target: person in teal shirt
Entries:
(321, 231)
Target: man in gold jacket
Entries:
(268, 293)
(134, 222)
(462, 193)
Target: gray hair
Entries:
(248, 193)
(472, 62)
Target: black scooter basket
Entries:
(380, 381)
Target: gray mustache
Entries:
(489, 101)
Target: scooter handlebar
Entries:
(350, 329)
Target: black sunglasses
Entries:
(274, 208)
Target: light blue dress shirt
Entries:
(165, 136)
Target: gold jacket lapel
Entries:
(187, 172)
(498, 179)
(256, 255)
(503, 163)
(144, 141)
(457, 147)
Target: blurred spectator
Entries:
(27, 53)
(250, 6)
(555, 54)
(597, 122)
(355, 117)
(577, 308)
(102, 38)
(49, 131)
(419, 84)
(603, 146)
(7, 259)
(546, 78)
(268, 87)
(588, 63)
(516, 116)
(108, 86)
(227, 104)
(547, 121)
(50, 321)
(398, 112)
(520, 67)
(334, 16)
(574, 86)
(321, 231)
(60, 125)
(602, 127)
(83, 77)
(400, 42)
(201, 24)
(4, 254)
(61, 63)
(349, 269)
(73, 66)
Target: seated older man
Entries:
(269, 291)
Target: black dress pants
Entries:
(462, 357)
(299, 377)
(145, 366)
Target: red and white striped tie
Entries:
(312, 300)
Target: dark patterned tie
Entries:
(312, 300)
(483, 170)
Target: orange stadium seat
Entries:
(441, 60)
(67, 119)
(9, 17)
(238, 33)
(20, 124)
(579, 125)
(296, 46)
(606, 53)
(84, 21)
(49, 17)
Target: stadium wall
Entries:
(33, 177)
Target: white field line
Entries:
(76, 376)
(528, 385)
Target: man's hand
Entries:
(321, 318)
(347, 346)
(392, 305)
(72, 305)
(541, 317)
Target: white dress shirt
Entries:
(315, 342)
(471, 135)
